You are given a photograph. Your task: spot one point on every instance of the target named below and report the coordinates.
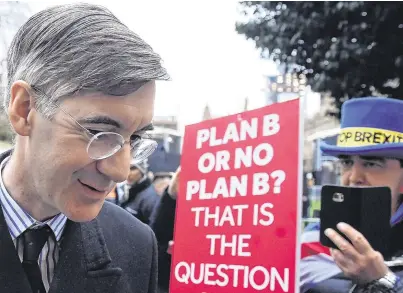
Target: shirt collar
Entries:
(18, 220)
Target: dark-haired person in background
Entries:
(162, 223)
(138, 196)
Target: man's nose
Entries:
(116, 167)
(357, 175)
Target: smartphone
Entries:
(366, 209)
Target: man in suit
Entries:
(162, 223)
(80, 98)
(161, 181)
(139, 195)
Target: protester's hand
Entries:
(174, 185)
(358, 260)
(170, 247)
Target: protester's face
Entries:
(373, 171)
(62, 173)
(161, 184)
(134, 176)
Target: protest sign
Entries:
(237, 219)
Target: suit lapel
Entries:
(84, 261)
(12, 276)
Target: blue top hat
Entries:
(369, 127)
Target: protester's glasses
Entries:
(103, 144)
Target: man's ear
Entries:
(19, 109)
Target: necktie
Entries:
(34, 240)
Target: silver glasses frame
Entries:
(92, 137)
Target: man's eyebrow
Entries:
(344, 157)
(110, 121)
(372, 158)
(100, 120)
(366, 158)
(148, 127)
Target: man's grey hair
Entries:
(79, 48)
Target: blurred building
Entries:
(167, 156)
(12, 15)
(321, 128)
(284, 87)
(207, 113)
(318, 126)
(166, 133)
(169, 122)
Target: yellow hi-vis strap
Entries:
(364, 136)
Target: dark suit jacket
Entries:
(142, 200)
(114, 253)
(162, 223)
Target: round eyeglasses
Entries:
(104, 144)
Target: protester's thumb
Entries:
(170, 247)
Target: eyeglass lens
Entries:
(106, 144)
